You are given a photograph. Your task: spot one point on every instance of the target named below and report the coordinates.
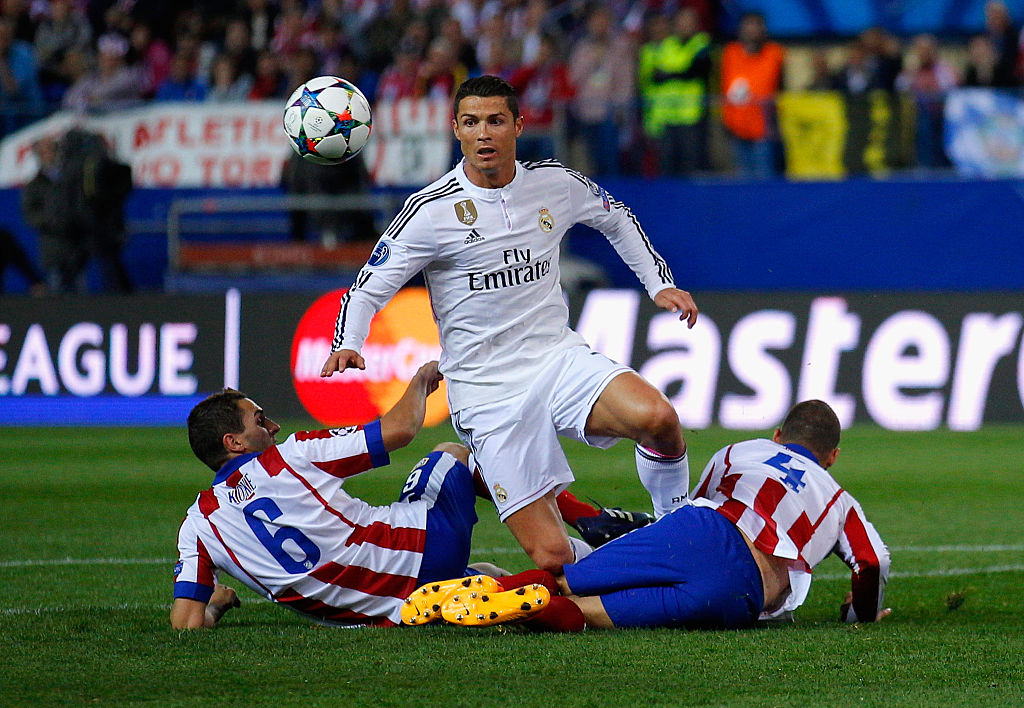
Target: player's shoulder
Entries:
(554, 171)
(440, 187)
(419, 204)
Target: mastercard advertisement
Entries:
(402, 338)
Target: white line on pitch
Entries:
(937, 573)
(947, 572)
(497, 550)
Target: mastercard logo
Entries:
(402, 338)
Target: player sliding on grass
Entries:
(486, 237)
(278, 519)
(764, 514)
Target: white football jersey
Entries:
(490, 261)
(791, 507)
(281, 523)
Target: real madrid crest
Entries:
(546, 221)
(466, 211)
(500, 494)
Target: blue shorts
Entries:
(445, 485)
(691, 568)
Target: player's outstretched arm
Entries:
(399, 425)
(341, 360)
(192, 614)
(676, 300)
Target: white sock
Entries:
(666, 479)
(581, 549)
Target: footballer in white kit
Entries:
(518, 376)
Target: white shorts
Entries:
(515, 440)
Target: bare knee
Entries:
(459, 452)
(658, 427)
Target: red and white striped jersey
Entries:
(280, 522)
(790, 507)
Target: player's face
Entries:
(259, 431)
(487, 132)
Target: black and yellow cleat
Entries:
(479, 608)
(424, 605)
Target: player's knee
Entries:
(658, 426)
(551, 557)
(459, 452)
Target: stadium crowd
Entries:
(639, 85)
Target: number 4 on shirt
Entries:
(793, 477)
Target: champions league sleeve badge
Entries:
(381, 252)
(546, 221)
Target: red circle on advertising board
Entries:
(402, 337)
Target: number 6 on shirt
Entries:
(275, 542)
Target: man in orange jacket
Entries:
(751, 77)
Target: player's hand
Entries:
(429, 377)
(222, 600)
(882, 614)
(676, 300)
(341, 360)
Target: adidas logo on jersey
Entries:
(474, 237)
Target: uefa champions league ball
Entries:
(327, 120)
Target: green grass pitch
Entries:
(87, 549)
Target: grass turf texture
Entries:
(89, 522)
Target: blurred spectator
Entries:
(93, 188)
(301, 176)
(151, 55)
(17, 11)
(42, 207)
(293, 29)
(452, 31)
(400, 79)
(302, 66)
(673, 76)
(982, 61)
(822, 77)
(181, 84)
(883, 56)
(440, 71)
(62, 30)
(497, 51)
(1000, 30)
(260, 16)
(602, 70)
(383, 34)
(927, 78)
(751, 79)
(20, 94)
(111, 85)
(329, 45)
(544, 90)
(857, 76)
(269, 81)
(530, 32)
(226, 84)
(238, 46)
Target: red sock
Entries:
(529, 577)
(562, 615)
(572, 508)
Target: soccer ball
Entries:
(327, 120)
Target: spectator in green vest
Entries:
(673, 77)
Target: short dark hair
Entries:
(485, 87)
(212, 418)
(814, 425)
